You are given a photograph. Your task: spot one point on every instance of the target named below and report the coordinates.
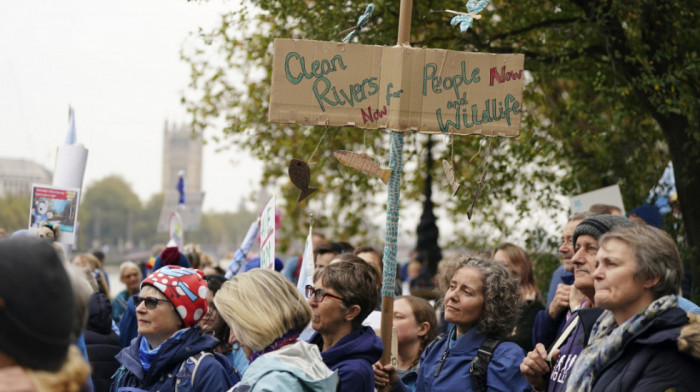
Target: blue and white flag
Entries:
(236, 266)
(665, 191)
(71, 137)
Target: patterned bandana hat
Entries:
(185, 288)
(607, 339)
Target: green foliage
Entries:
(613, 96)
(105, 208)
(109, 203)
(14, 213)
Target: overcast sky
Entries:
(117, 63)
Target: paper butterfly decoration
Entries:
(465, 20)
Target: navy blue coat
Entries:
(101, 342)
(353, 357)
(164, 371)
(650, 361)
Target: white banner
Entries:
(267, 236)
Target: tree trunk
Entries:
(679, 137)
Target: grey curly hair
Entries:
(502, 300)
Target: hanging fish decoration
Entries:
(450, 173)
(300, 174)
(363, 163)
(479, 185)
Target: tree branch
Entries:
(534, 26)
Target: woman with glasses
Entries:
(481, 301)
(266, 313)
(170, 345)
(343, 295)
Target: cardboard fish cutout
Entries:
(363, 163)
(300, 174)
(450, 173)
(476, 196)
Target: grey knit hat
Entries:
(37, 306)
(600, 224)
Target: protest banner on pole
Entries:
(267, 235)
(397, 88)
(55, 205)
(400, 89)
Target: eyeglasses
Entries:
(319, 294)
(151, 302)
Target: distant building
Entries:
(182, 150)
(18, 175)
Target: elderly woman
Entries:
(635, 343)
(170, 351)
(517, 261)
(482, 301)
(343, 295)
(266, 313)
(130, 276)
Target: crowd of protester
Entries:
(613, 319)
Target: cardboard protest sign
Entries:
(267, 236)
(397, 88)
(57, 206)
(190, 213)
(609, 195)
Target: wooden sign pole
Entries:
(392, 211)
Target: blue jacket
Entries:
(353, 357)
(558, 276)
(296, 367)
(119, 305)
(165, 367)
(448, 369)
(128, 325)
(546, 329)
(650, 361)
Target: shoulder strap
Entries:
(480, 364)
(562, 338)
(196, 360)
(117, 377)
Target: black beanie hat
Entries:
(598, 225)
(37, 307)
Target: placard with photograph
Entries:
(55, 206)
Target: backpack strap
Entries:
(117, 378)
(195, 360)
(480, 364)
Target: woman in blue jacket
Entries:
(170, 346)
(482, 300)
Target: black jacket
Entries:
(101, 342)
